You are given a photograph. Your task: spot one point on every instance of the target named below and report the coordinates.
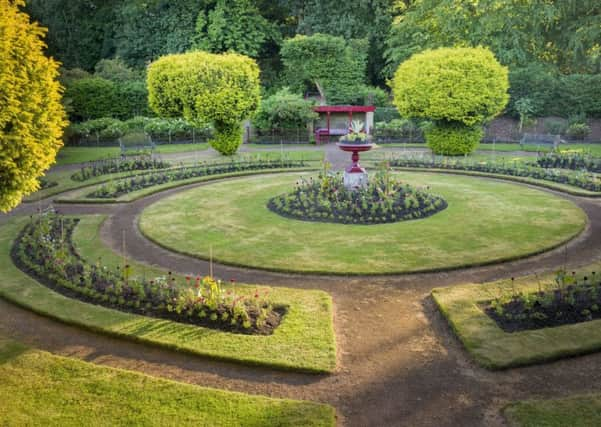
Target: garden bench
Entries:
(323, 134)
(136, 142)
(541, 139)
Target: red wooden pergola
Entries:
(326, 132)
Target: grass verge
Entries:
(304, 341)
(493, 348)
(38, 388)
(576, 411)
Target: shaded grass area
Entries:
(37, 388)
(576, 411)
(493, 348)
(304, 341)
(70, 155)
(485, 222)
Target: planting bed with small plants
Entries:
(45, 251)
(385, 199)
(116, 165)
(569, 160)
(569, 301)
(522, 337)
(581, 179)
(120, 187)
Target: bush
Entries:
(578, 130)
(204, 87)
(32, 118)
(464, 85)
(459, 88)
(555, 127)
(536, 83)
(373, 95)
(133, 100)
(453, 139)
(116, 70)
(284, 110)
(92, 98)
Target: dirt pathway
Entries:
(399, 364)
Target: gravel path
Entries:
(399, 364)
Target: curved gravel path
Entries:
(399, 364)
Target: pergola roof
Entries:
(344, 108)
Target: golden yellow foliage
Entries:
(32, 118)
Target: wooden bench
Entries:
(136, 142)
(542, 140)
(323, 134)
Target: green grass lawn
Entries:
(486, 221)
(493, 348)
(40, 389)
(577, 411)
(70, 155)
(304, 341)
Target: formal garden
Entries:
(252, 213)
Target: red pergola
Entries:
(329, 109)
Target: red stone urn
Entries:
(355, 167)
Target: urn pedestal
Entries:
(355, 176)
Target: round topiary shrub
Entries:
(204, 87)
(453, 139)
(454, 87)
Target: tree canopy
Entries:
(32, 117)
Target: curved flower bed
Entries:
(574, 161)
(127, 185)
(45, 251)
(108, 166)
(384, 200)
(582, 179)
(570, 300)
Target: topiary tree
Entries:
(32, 118)
(455, 88)
(204, 87)
(285, 110)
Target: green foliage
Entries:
(465, 85)
(233, 25)
(578, 130)
(284, 110)
(453, 139)
(536, 82)
(116, 70)
(31, 118)
(330, 64)
(92, 98)
(563, 33)
(145, 30)
(204, 87)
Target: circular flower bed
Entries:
(384, 200)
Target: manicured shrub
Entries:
(465, 85)
(92, 98)
(334, 66)
(578, 130)
(284, 110)
(204, 87)
(453, 139)
(32, 118)
(454, 87)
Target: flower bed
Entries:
(574, 161)
(108, 166)
(384, 200)
(44, 250)
(127, 185)
(582, 179)
(569, 301)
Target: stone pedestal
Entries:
(354, 180)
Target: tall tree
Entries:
(31, 118)
(564, 33)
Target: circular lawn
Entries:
(486, 221)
